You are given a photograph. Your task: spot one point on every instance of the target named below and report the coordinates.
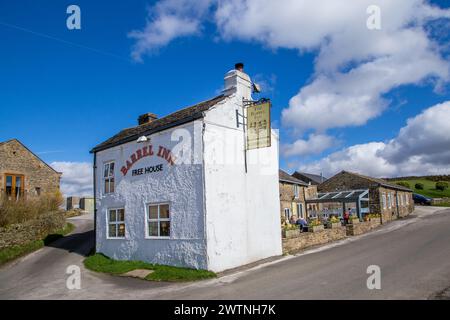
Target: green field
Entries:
(429, 189)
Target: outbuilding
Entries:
(369, 195)
(23, 174)
(185, 190)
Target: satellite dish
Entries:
(142, 139)
(256, 88)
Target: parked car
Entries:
(420, 199)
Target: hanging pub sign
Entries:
(258, 126)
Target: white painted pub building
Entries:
(183, 190)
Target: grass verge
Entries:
(14, 252)
(101, 263)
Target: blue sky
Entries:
(64, 91)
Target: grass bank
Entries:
(429, 189)
(14, 252)
(101, 263)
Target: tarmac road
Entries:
(413, 255)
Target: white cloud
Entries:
(421, 147)
(166, 21)
(76, 178)
(315, 144)
(354, 68)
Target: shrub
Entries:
(22, 210)
(403, 184)
(419, 186)
(441, 185)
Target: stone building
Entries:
(313, 179)
(24, 174)
(183, 189)
(390, 200)
(293, 193)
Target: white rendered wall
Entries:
(242, 209)
(181, 185)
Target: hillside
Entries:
(429, 187)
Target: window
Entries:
(287, 213)
(158, 220)
(389, 200)
(296, 191)
(383, 200)
(116, 223)
(108, 176)
(14, 186)
(300, 210)
(38, 191)
(407, 199)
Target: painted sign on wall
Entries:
(258, 126)
(147, 151)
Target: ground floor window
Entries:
(116, 223)
(158, 220)
(287, 213)
(14, 186)
(383, 200)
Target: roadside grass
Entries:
(14, 252)
(443, 204)
(101, 263)
(429, 189)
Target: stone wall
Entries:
(37, 229)
(362, 227)
(38, 176)
(308, 239)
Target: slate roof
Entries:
(381, 182)
(174, 119)
(313, 177)
(285, 177)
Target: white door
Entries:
(300, 210)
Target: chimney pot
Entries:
(239, 66)
(147, 118)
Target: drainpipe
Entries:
(396, 203)
(95, 200)
(306, 205)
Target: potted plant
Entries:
(354, 219)
(290, 231)
(333, 222)
(315, 226)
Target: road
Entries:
(413, 255)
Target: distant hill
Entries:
(429, 184)
(431, 178)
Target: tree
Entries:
(419, 186)
(441, 185)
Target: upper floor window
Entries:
(108, 177)
(296, 191)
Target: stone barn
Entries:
(390, 200)
(23, 174)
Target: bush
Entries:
(441, 185)
(403, 184)
(22, 210)
(419, 186)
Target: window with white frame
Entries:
(383, 200)
(108, 177)
(287, 213)
(296, 191)
(407, 199)
(389, 200)
(158, 220)
(116, 223)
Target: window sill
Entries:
(116, 238)
(157, 238)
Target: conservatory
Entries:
(336, 203)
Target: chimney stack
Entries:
(238, 82)
(147, 118)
